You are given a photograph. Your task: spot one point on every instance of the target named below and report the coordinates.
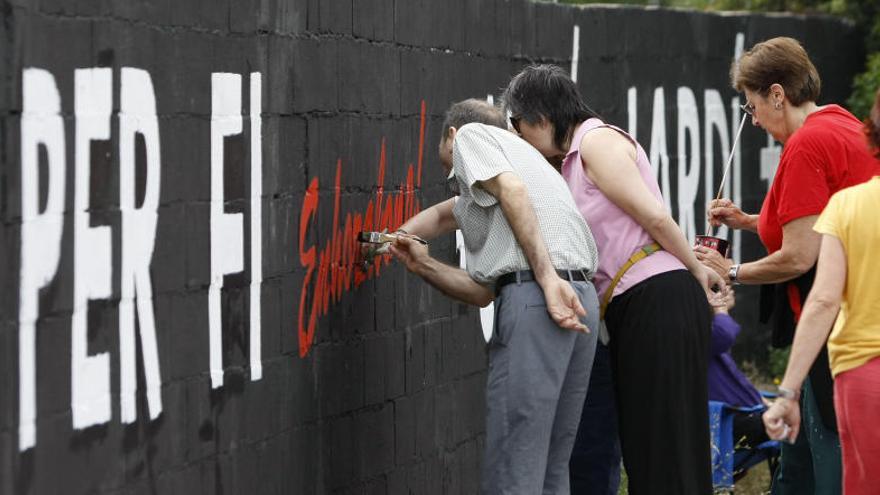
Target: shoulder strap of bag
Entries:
(642, 253)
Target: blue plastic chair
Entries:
(728, 461)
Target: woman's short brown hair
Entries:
(778, 60)
(872, 127)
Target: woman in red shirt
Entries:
(824, 151)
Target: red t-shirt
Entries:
(828, 153)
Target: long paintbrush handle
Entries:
(726, 169)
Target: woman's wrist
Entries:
(789, 390)
(742, 273)
(751, 223)
(692, 264)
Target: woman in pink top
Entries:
(658, 318)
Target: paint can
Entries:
(712, 242)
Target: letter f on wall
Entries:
(227, 229)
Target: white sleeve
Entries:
(477, 156)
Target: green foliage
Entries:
(778, 362)
(865, 87)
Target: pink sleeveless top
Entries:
(617, 234)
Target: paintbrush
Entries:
(709, 229)
(382, 237)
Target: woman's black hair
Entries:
(546, 91)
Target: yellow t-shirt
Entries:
(853, 216)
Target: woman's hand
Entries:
(712, 259)
(722, 301)
(724, 212)
(708, 279)
(783, 420)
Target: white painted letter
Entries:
(632, 111)
(256, 222)
(92, 262)
(659, 155)
(737, 153)
(227, 231)
(41, 124)
(770, 160)
(137, 115)
(688, 160)
(575, 51)
(715, 119)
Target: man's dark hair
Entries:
(472, 110)
(546, 91)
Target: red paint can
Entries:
(712, 242)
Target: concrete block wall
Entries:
(384, 392)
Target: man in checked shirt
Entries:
(529, 249)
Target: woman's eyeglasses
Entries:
(748, 108)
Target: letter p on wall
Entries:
(42, 127)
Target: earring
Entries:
(778, 105)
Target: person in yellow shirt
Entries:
(848, 280)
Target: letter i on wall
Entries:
(256, 110)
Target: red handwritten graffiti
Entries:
(331, 272)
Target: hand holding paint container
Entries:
(709, 240)
(712, 242)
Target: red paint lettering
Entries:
(331, 272)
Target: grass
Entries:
(755, 482)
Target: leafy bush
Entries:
(865, 86)
(778, 362)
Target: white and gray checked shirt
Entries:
(481, 152)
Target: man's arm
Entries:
(512, 195)
(428, 224)
(562, 302)
(432, 222)
(452, 281)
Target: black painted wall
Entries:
(386, 395)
